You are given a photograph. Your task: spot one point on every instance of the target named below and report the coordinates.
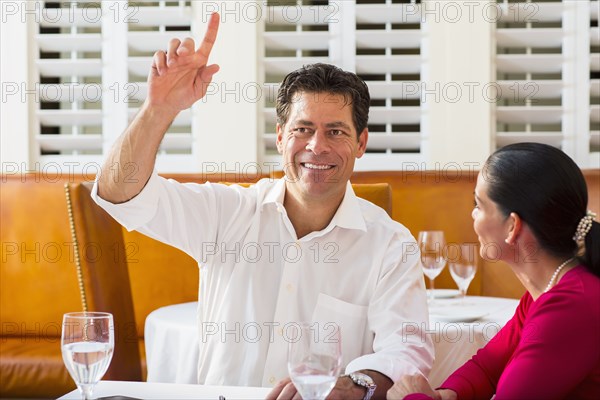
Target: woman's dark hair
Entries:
(325, 78)
(548, 191)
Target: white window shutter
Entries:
(543, 71)
(92, 66)
(368, 37)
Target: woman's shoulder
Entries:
(578, 290)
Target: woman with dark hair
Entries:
(531, 203)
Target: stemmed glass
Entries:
(432, 245)
(314, 358)
(87, 345)
(463, 266)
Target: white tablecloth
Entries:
(143, 390)
(172, 339)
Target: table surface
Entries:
(172, 339)
(144, 390)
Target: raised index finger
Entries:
(210, 36)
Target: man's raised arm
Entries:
(176, 80)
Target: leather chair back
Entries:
(103, 276)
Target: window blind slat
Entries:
(595, 36)
(401, 90)
(297, 40)
(67, 67)
(550, 138)
(69, 92)
(67, 18)
(406, 39)
(524, 90)
(595, 113)
(595, 87)
(161, 16)
(594, 10)
(91, 42)
(283, 65)
(394, 115)
(523, 37)
(405, 64)
(153, 41)
(529, 12)
(70, 117)
(532, 63)
(388, 13)
(70, 142)
(529, 115)
(302, 15)
(595, 62)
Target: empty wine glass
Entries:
(463, 265)
(432, 245)
(87, 345)
(314, 358)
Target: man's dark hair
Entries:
(325, 78)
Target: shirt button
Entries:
(280, 331)
(272, 379)
(289, 287)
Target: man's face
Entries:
(319, 145)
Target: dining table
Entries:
(123, 390)
(458, 327)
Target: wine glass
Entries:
(87, 345)
(463, 266)
(432, 245)
(314, 358)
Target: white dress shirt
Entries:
(257, 278)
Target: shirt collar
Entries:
(348, 214)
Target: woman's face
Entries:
(490, 225)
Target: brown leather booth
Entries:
(39, 278)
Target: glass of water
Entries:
(314, 358)
(433, 246)
(87, 345)
(463, 266)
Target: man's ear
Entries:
(362, 143)
(279, 142)
(515, 226)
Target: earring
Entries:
(506, 241)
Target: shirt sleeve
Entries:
(478, 377)
(187, 216)
(398, 318)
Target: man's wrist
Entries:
(363, 385)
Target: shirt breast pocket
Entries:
(351, 318)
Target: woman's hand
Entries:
(412, 384)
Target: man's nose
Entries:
(318, 143)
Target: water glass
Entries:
(87, 345)
(433, 246)
(314, 357)
(463, 265)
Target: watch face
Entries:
(362, 379)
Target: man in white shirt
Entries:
(302, 248)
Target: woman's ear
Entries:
(514, 226)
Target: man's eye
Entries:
(300, 130)
(336, 132)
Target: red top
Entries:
(550, 349)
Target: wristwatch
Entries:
(365, 381)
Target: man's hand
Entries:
(344, 389)
(181, 76)
(412, 384)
